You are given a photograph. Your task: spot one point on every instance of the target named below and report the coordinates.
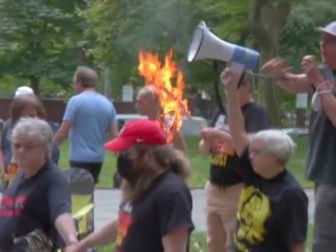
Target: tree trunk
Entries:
(266, 21)
(35, 84)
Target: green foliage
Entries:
(40, 38)
(45, 40)
(120, 29)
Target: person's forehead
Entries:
(24, 138)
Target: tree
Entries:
(40, 38)
(286, 27)
(266, 21)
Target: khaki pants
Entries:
(222, 204)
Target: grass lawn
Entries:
(200, 163)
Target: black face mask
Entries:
(125, 168)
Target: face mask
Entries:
(125, 168)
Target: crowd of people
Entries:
(253, 202)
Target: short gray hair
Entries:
(34, 127)
(276, 142)
(86, 76)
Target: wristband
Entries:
(324, 83)
(324, 92)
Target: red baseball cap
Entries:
(142, 131)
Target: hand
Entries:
(230, 78)
(312, 72)
(277, 67)
(74, 247)
(208, 135)
(212, 136)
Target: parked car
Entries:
(191, 125)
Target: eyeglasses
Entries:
(26, 147)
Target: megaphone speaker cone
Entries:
(195, 44)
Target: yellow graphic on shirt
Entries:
(253, 211)
(220, 155)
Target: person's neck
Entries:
(246, 100)
(32, 171)
(153, 116)
(275, 171)
(88, 89)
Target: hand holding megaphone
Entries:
(231, 74)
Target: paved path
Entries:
(107, 202)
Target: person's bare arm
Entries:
(322, 87)
(239, 136)
(211, 136)
(176, 241)
(65, 226)
(62, 132)
(291, 83)
(113, 130)
(178, 142)
(100, 238)
(298, 248)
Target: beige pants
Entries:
(221, 215)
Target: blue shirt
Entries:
(92, 115)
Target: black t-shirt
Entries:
(165, 207)
(33, 203)
(272, 213)
(224, 160)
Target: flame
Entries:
(171, 96)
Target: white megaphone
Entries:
(206, 45)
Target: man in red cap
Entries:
(321, 163)
(155, 214)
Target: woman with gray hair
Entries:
(36, 208)
(272, 213)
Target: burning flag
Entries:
(172, 104)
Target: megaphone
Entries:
(206, 45)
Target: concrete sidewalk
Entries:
(107, 201)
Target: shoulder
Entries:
(74, 100)
(170, 183)
(54, 174)
(292, 190)
(256, 107)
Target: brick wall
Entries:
(55, 108)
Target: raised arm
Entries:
(323, 88)
(178, 142)
(291, 83)
(235, 117)
(210, 137)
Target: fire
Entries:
(171, 96)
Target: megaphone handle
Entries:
(218, 97)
